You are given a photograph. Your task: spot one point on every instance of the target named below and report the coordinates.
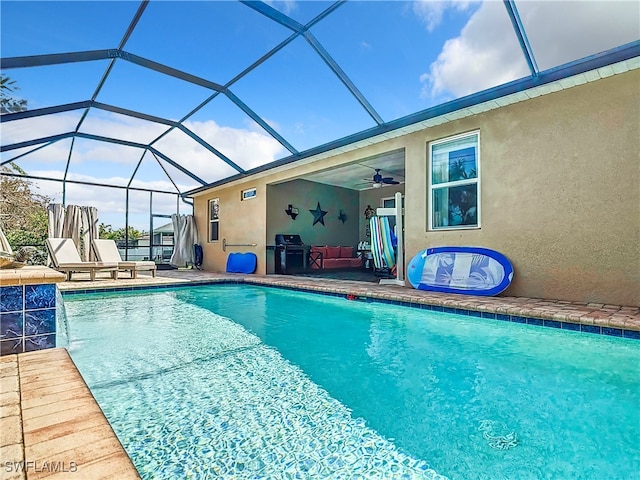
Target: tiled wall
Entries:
(27, 318)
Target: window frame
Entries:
(456, 183)
(213, 220)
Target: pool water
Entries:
(241, 381)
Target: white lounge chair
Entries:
(107, 251)
(66, 259)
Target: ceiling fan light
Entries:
(377, 185)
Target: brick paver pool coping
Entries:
(50, 424)
(614, 320)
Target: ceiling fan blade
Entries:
(390, 181)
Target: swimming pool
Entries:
(322, 387)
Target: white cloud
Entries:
(487, 53)
(285, 6)
(254, 127)
(54, 188)
(430, 12)
(38, 127)
(111, 202)
(560, 32)
(91, 151)
(51, 154)
(122, 127)
(247, 148)
(106, 163)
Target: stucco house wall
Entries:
(559, 192)
(240, 222)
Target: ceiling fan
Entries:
(378, 180)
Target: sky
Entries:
(403, 57)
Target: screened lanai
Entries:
(132, 105)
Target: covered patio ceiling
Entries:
(175, 97)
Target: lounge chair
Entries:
(66, 259)
(107, 251)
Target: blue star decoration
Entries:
(318, 215)
(343, 216)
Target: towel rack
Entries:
(225, 244)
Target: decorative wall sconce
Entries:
(292, 212)
(369, 212)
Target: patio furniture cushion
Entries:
(333, 257)
(322, 250)
(107, 251)
(66, 259)
(346, 252)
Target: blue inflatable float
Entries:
(470, 270)
(242, 263)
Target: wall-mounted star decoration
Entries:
(343, 216)
(318, 215)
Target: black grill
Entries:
(291, 254)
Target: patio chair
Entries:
(107, 251)
(66, 259)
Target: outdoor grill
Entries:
(291, 254)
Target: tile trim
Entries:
(539, 322)
(36, 306)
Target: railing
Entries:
(159, 253)
(225, 244)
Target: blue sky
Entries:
(403, 57)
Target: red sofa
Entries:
(333, 257)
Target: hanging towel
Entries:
(381, 243)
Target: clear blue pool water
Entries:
(238, 381)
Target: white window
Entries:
(454, 182)
(214, 220)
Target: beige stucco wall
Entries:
(559, 188)
(559, 191)
(240, 222)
